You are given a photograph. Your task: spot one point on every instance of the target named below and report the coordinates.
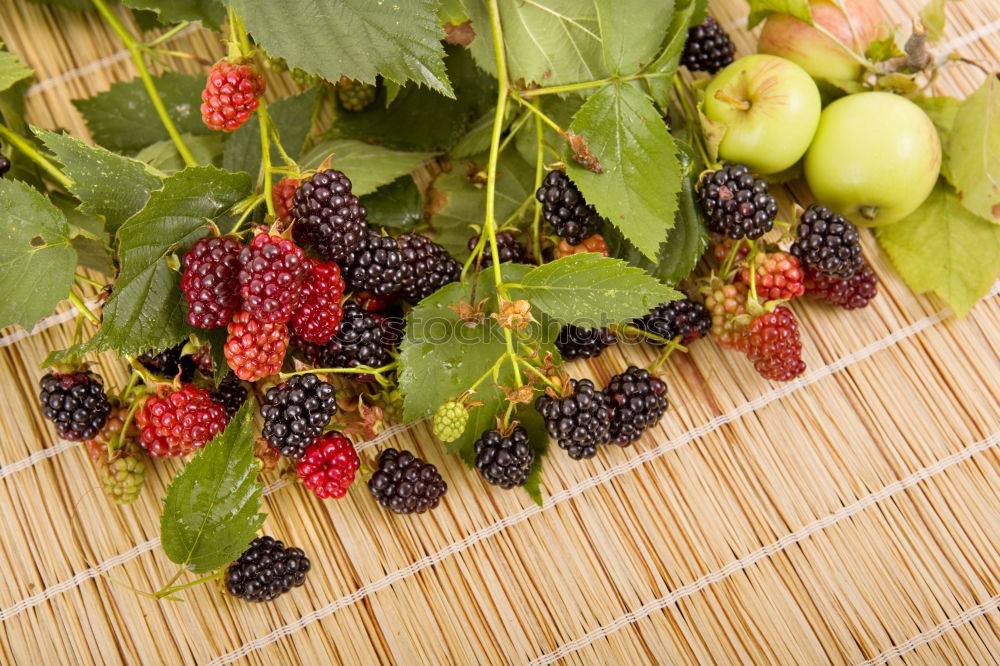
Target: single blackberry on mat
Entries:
(685, 318)
(295, 412)
(577, 342)
(231, 394)
(637, 400)
(376, 265)
(771, 342)
(266, 570)
(75, 402)
(708, 48)
(329, 465)
(508, 248)
(504, 461)
(828, 242)
(403, 483)
(430, 267)
(328, 218)
(564, 207)
(578, 422)
(736, 204)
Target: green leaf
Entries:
(638, 189)
(942, 111)
(122, 118)
(549, 42)
(943, 247)
(477, 139)
(211, 13)
(591, 291)
(212, 509)
(761, 9)
(106, 184)
(11, 69)
(881, 50)
(666, 64)
(358, 39)
(973, 151)
(292, 117)
(146, 309)
(627, 47)
(367, 165)
(933, 18)
(397, 205)
(538, 438)
(36, 259)
(452, 11)
(93, 254)
(165, 158)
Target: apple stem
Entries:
(869, 212)
(741, 104)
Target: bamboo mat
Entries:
(851, 515)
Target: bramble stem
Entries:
(586, 85)
(538, 112)
(169, 34)
(536, 227)
(265, 155)
(25, 147)
(169, 588)
(82, 307)
(691, 118)
(87, 280)
(358, 370)
(135, 49)
(670, 342)
(537, 373)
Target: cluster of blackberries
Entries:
(564, 207)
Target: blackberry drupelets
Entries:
(736, 204)
(504, 461)
(430, 267)
(75, 402)
(637, 400)
(404, 483)
(828, 242)
(708, 48)
(685, 318)
(578, 422)
(328, 218)
(577, 342)
(295, 412)
(266, 570)
(564, 207)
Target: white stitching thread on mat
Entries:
(768, 550)
(25, 463)
(42, 324)
(950, 624)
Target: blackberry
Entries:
(773, 345)
(295, 412)
(319, 313)
(168, 363)
(578, 422)
(685, 318)
(329, 465)
(210, 282)
(449, 421)
(232, 92)
(577, 342)
(255, 349)
(231, 394)
(355, 95)
(124, 475)
(360, 341)
(328, 218)
(564, 207)
(637, 402)
(175, 423)
(508, 248)
(76, 403)
(403, 483)
(848, 293)
(504, 461)
(708, 48)
(430, 267)
(736, 204)
(271, 277)
(266, 570)
(4, 165)
(828, 242)
(376, 266)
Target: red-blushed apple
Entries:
(875, 158)
(857, 25)
(770, 107)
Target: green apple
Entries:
(875, 158)
(854, 24)
(770, 107)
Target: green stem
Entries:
(848, 50)
(265, 155)
(586, 85)
(82, 307)
(281, 150)
(671, 342)
(518, 124)
(727, 266)
(691, 119)
(537, 373)
(116, 442)
(87, 280)
(488, 373)
(538, 112)
(358, 370)
(170, 588)
(132, 381)
(536, 225)
(25, 147)
(135, 49)
(169, 34)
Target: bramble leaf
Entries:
(212, 509)
(397, 205)
(11, 69)
(367, 165)
(211, 13)
(665, 66)
(626, 48)
(761, 9)
(292, 117)
(165, 158)
(973, 151)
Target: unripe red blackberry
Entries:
(771, 342)
(211, 283)
(708, 48)
(328, 465)
(564, 207)
(777, 277)
(683, 318)
(576, 342)
(179, 422)
(504, 461)
(295, 413)
(231, 94)
(736, 204)
(271, 277)
(266, 570)
(283, 195)
(828, 242)
(509, 249)
(75, 402)
(328, 218)
(578, 422)
(403, 483)
(318, 317)
(638, 400)
(430, 267)
(727, 304)
(255, 349)
(376, 265)
(849, 293)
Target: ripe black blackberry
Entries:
(75, 402)
(328, 218)
(685, 318)
(360, 341)
(504, 461)
(828, 242)
(637, 400)
(736, 204)
(266, 570)
(295, 412)
(708, 48)
(564, 207)
(430, 267)
(376, 265)
(578, 422)
(168, 363)
(508, 248)
(577, 342)
(231, 394)
(4, 165)
(404, 483)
